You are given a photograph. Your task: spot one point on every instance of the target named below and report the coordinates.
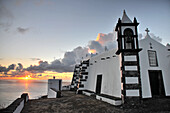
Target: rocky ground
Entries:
(77, 103)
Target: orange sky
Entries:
(46, 75)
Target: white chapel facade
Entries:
(137, 69)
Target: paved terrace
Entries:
(77, 103)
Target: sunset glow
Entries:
(27, 77)
(99, 38)
(66, 76)
(92, 51)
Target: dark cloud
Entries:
(19, 67)
(22, 30)
(5, 70)
(64, 65)
(71, 58)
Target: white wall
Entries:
(110, 70)
(163, 64)
(20, 107)
(53, 83)
(51, 94)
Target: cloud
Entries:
(61, 65)
(157, 38)
(20, 67)
(96, 45)
(152, 35)
(22, 30)
(6, 70)
(71, 58)
(103, 41)
(104, 38)
(140, 36)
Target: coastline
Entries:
(70, 102)
(76, 103)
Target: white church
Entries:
(135, 71)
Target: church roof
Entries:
(125, 18)
(147, 33)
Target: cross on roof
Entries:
(147, 30)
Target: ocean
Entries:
(12, 89)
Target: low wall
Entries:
(17, 105)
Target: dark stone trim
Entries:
(102, 58)
(81, 85)
(84, 73)
(80, 91)
(123, 79)
(139, 77)
(107, 57)
(131, 73)
(119, 24)
(132, 86)
(127, 50)
(110, 97)
(134, 36)
(122, 92)
(89, 91)
(24, 96)
(130, 53)
(77, 82)
(85, 62)
(130, 63)
(84, 68)
(12, 107)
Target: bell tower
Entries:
(128, 49)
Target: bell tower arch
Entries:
(128, 49)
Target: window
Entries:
(129, 42)
(152, 58)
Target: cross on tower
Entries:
(147, 30)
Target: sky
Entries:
(46, 34)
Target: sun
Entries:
(27, 77)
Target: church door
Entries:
(98, 84)
(156, 83)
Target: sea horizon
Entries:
(11, 89)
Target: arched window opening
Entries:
(128, 39)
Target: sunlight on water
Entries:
(12, 89)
